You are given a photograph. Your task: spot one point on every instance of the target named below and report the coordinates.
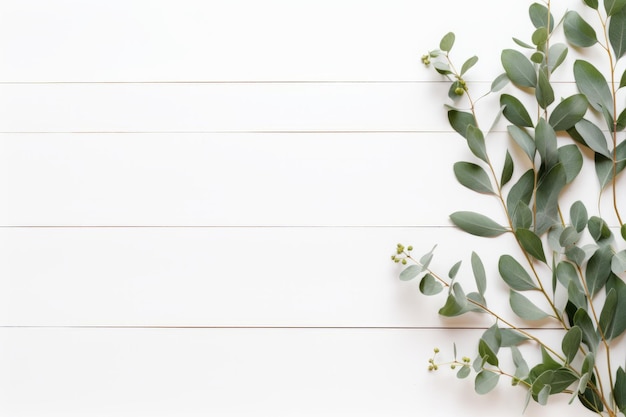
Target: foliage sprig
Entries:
(562, 249)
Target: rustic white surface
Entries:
(199, 200)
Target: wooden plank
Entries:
(234, 372)
(313, 179)
(244, 40)
(336, 277)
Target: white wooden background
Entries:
(199, 199)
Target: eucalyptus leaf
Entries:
(540, 16)
(514, 274)
(524, 308)
(521, 367)
(479, 273)
(518, 68)
(577, 31)
(598, 229)
(569, 236)
(544, 92)
(593, 85)
(485, 381)
(523, 140)
(522, 216)
(523, 44)
(547, 196)
(514, 111)
(469, 64)
(607, 315)
(473, 177)
(476, 224)
(593, 136)
(454, 270)
(557, 54)
(578, 216)
(411, 272)
(442, 68)
(447, 42)
(430, 286)
(499, 83)
(571, 343)
(476, 142)
(598, 269)
(531, 243)
(507, 169)
(464, 372)
(545, 140)
(592, 3)
(485, 352)
(622, 81)
(617, 32)
(618, 262)
(456, 302)
(511, 338)
(619, 324)
(569, 112)
(619, 392)
(571, 159)
(590, 336)
(460, 121)
(521, 191)
(540, 37)
(613, 6)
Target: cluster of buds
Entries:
(401, 254)
(461, 86)
(426, 59)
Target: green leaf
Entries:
(592, 3)
(523, 140)
(578, 216)
(593, 136)
(430, 286)
(598, 269)
(598, 229)
(514, 111)
(617, 33)
(604, 166)
(557, 54)
(548, 189)
(454, 270)
(479, 273)
(464, 372)
(571, 343)
(607, 315)
(572, 160)
(569, 236)
(518, 68)
(569, 112)
(619, 392)
(619, 324)
(621, 121)
(531, 243)
(469, 64)
(426, 258)
(411, 272)
(545, 140)
(442, 68)
(476, 142)
(485, 381)
(486, 353)
(593, 85)
(511, 338)
(499, 83)
(540, 16)
(447, 42)
(514, 274)
(507, 169)
(523, 44)
(476, 224)
(577, 31)
(566, 273)
(538, 57)
(622, 81)
(623, 231)
(613, 6)
(521, 367)
(618, 262)
(521, 191)
(456, 302)
(522, 216)
(460, 121)
(540, 37)
(473, 177)
(590, 335)
(544, 92)
(524, 308)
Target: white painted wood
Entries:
(314, 179)
(287, 277)
(242, 372)
(243, 40)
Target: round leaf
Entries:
(577, 31)
(485, 381)
(568, 112)
(518, 68)
(447, 42)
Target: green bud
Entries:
(453, 366)
(459, 91)
(436, 350)
(404, 262)
(410, 248)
